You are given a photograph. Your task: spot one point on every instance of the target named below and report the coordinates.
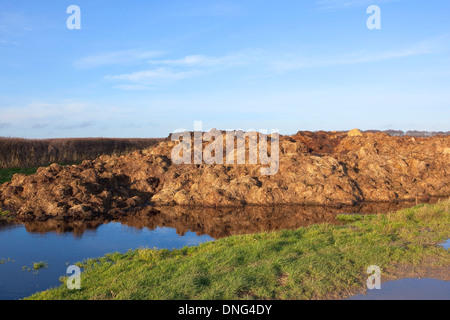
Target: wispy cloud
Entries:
(13, 26)
(4, 125)
(151, 77)
(132, 87)
(6, 42)
(345, 4)
(172, 70)
(116, 57)
(14, 23)
(208, 9)
(205, 61)
(81, 125)
(169, 71)
(430, 46)
(38, 111)
(60, 116)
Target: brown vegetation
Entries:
(24, 153)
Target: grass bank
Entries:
(321, 261)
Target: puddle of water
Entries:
(60, 250)
(446, 244)
(409, 289)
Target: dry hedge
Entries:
(18, 152)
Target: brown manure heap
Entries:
(315, 168)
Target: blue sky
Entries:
(147, 68)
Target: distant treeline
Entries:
(413, 133)
(24, 153)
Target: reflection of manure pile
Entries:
(222, 222)
(216, 222)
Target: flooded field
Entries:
(60, 244)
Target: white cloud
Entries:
(14, 23)
(38, 113)
(205, 61)
(430, 46)
(207, 9)
(59, 119)
(172, 70)
(344, 4)
(132, 87)
(116, 57)
(155, 76)
(52, 114)
(6, 42)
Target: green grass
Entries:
(3, 260)
(7, 174)
(354, 217)
(39, 265)
(5, 215)
(314, 262)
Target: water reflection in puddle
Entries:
(409, 289)
(217, 222)
(63, 249)
(446, 244)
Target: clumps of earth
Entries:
(315, 168)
